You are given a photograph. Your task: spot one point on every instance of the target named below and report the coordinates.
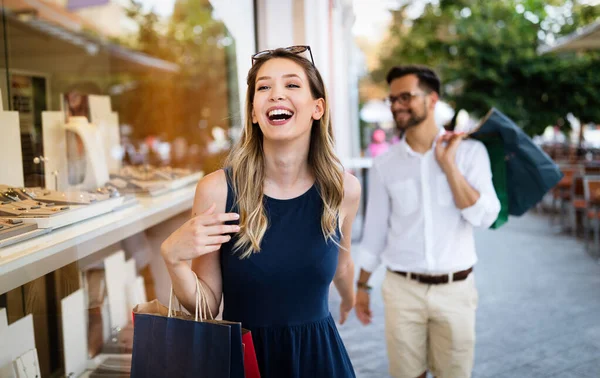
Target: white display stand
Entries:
(27, 365)
(74, 332)
(6, 368)
(136, 291)
(17, 341)
(107, 121)
(55, 150)
(116, 286)
(3, 320)
(10, 149)
(96, 171)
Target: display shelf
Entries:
(99, 359)
(23, 262)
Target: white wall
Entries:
(240, 24)
(275, 23)
(328, 32)
(325, 25)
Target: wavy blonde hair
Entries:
(247, 164)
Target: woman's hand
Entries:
(200, 235)
(345, 308)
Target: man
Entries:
(425, 196)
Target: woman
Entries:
(296, 206)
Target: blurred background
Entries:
(173, 73)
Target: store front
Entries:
(127, 106)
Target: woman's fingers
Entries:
(221, 229)
(218, 239)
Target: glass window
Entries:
(110, 95)
(168, 68)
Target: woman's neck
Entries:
(286, 164)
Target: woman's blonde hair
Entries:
(247, 164)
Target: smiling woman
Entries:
(290, 206)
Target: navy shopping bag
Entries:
(173, 344)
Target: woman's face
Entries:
(283, 105)
(75, 99)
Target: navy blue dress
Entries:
(281, 293)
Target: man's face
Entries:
(410, 104)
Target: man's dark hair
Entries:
(428, 79)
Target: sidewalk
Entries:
(539, 308)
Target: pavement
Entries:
(539, 307)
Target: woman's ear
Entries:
(319, 109)
(254, 120)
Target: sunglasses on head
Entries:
(299, 49)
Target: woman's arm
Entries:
(199, 241)
(344, 275)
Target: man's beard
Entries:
(410, 122)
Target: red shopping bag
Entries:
(250, 362)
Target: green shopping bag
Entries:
(495, 149)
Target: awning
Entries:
(35, 42)
(585, 38)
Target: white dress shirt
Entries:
(412, 223)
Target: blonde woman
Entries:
(272, 230)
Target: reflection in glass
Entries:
(171, 79)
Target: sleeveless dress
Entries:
(281, 293)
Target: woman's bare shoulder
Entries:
(210, 189)
(352, 190)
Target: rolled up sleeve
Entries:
(479, 175)
(376, 222)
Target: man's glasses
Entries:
(299, 49)
(403, 98)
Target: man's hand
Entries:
(445, 150)
(363, 307)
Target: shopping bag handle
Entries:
(202, 299)
(202, 308)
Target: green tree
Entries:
(487, 55)
(202, 94)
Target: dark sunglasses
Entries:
(299, 49)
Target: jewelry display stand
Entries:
(107, 121)
(13, 231)
(55, 150)
(74, 333)
(10, 149)
(152, 181)
(49, 215)
(96, 172)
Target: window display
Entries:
(111, 112)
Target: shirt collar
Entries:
(410, 152)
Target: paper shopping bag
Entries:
(168, 343)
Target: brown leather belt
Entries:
(437, 280)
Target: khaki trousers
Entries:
(429, 327)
